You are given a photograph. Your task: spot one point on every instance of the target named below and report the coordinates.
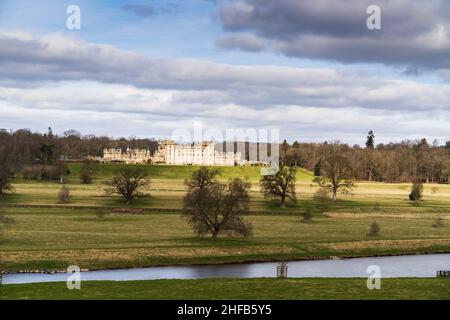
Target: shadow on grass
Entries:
(221, 241)
(10, 198)
(118, 201)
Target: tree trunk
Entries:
(283, 202)
(334, 195)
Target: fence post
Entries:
(282, 270)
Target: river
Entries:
(424, 265)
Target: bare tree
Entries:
(201, 178)
(212, 207)
(280, 185)
(128, 182)
(337, 174)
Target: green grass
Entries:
(53, 238)
(49, 235)
(106, 170)
(263, 288)
(168, 193)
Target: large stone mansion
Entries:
(129, 156)
(203, 153)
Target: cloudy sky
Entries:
(311, 68)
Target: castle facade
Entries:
(130, 156)
(203, 153)
(169, 152)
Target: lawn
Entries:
(177, 172)
(53, 238)
(49, 235)
(258, 289)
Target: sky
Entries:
(311, 69)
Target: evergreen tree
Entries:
(317, 169)
(370, 143)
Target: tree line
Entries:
(43, 156)
(36, 155)
(401, 162)
(26, 147)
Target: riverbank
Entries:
(261, 288)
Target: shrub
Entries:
(438, 223)
(64, 194)
(322, 198)
(307, 215)
(416, 191)
(317, 169)
(87, 171)
(374, 229)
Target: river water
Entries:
(424, 265)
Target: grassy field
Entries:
(264, 288)
(56, 238)
(169, 172)
(48, 235)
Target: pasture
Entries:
(50, 236)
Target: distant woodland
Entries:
(405, 161)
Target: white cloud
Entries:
(414, 35)
(68, 82)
